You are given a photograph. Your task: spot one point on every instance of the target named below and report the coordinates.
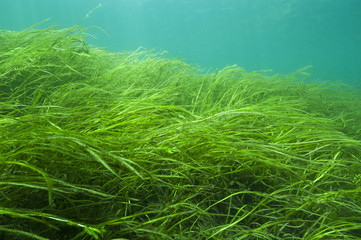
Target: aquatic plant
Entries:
(100, 145)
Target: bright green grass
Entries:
(97, 145)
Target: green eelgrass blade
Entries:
(18, 232)
(48, 180)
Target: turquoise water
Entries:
(282, 35)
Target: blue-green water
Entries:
(282, 35)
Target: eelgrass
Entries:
(96, 145)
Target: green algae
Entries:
(100, 145)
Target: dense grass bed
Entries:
(98, 145)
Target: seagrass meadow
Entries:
(101, 145)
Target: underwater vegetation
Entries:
(100, 145)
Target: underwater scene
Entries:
(180, 119)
